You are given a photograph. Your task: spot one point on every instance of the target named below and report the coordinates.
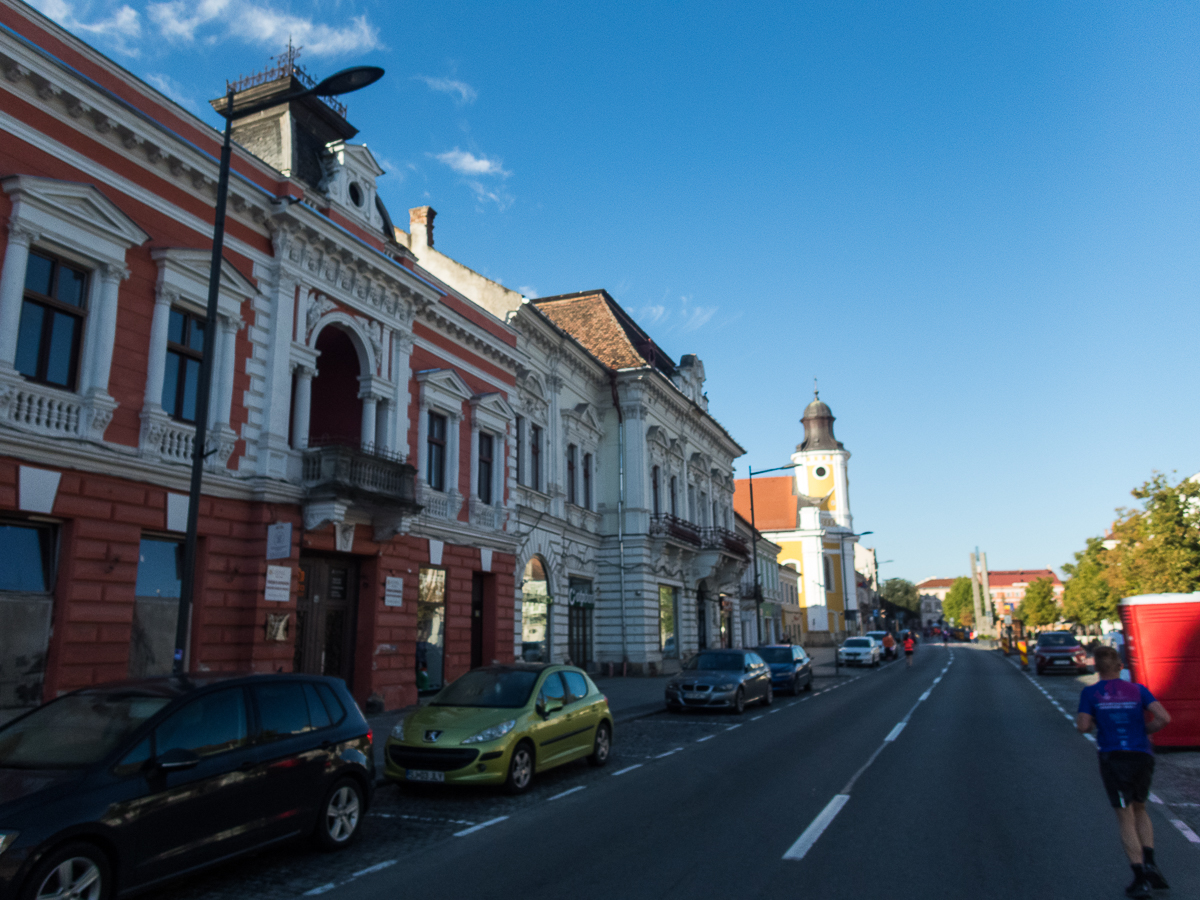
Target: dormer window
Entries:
(356, 194)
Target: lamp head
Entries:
(348, 80)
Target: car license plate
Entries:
(1062, 662)
(694, 695)
(425, 775)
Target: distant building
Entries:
(1007, 588)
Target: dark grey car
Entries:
(720, 679)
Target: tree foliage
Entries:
(903, 593)
(959, 606)
(1157, 550)
(1088, 597)
(1039, 606)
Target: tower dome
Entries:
(818, 427)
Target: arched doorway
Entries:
(535, 612)
(336, 416)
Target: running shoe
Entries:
(1139, 888)
(1155, 877)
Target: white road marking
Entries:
(818, 825)
(378, 867)
(1090, 737)
(707, 737)
(420, 818)
(568, 791)
(775, 710)
(925, 696)
(755, 718)
(1154, 798)
(731, 727)
(627, 769)
(668, 753)
(895, 732)
(320, 890)
(1185, 831)
(479, 827)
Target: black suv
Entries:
(113, 788)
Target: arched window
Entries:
(535, 612)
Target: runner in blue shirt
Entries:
(1117, 710)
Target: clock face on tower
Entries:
(820, 472)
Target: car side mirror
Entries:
(749, 667)
(176, 760)
(551, 705)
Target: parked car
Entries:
(791, 667)
(721, 679)
(860, 651)
(1059, 651)
(500, 725)
(118, 787)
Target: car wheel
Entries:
(520, 769)
(808, 686)
(769, 696)
(739, 701)
(603, 745)
(341, 815)
(79, 871)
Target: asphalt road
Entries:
(985, 792)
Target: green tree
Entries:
(959, 607)
(1088, 597)
(1039, 607)
(1158, 549)
(903, 593)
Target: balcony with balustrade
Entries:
(669, 526)
(359, 474)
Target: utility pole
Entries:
(974, 557)
(989, 626)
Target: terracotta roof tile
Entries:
(605, 330)
(774, 503)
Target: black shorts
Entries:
(1126, 776)
(908, 653)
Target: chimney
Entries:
(420, 225)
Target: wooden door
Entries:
(325, 617)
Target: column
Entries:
(226, 361)
(473, 473)
(273, 440)
(12, 290)
(384, 427)
(302, 409)
(453, 427)
(422, 460)
(368, 419)
(103, 322)
(402, 345)
(157, 366)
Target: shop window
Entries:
(486, 448)
(52, 316)
(535, 613)
(571, 494)
(431, 628)
(668, 621)
(435, 467)
(587, 481)
(28, 554)
(579, 622)
(155, 607)
(185, 347)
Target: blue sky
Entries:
(976, 223)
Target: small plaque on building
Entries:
(393, 592)
(279, 540)
(279, 584)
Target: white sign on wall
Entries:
(279, 584)
(279, 540)
(393, 592)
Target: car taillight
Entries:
(370, 733)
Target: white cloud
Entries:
(179, 21)
(502, 198)
(172, 88)
(466, 163)
(120, 25)
(529, 291)
(466, 93)
(686, 317)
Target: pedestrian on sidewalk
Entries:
(909, 646)
(1117, 710)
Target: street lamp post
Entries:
(342, 82)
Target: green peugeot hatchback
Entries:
(501, 724)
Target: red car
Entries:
(1059, 651)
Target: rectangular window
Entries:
(829, 585)
(27, 554)
(571, 496)
(535, 457)
(486, 444)
(674, 504)
(579, 634)
(51, 326)
(668, 620)
(155, 607)
(654, 490)
(431, 628)
(587, 481)
(185, 347)
(520, 429)
(435, 466)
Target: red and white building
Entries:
(355, 511)
(1006, 586)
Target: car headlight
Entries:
(727, 687)
(491, 734)
(398, 729)
(672, 686)
(7, 838)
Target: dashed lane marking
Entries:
(627, 769)
(668, 753)
(895, 732)
(818, 825)
(378, 867)
(925, 696)
(480, 826)
(755, 718)
(382, 815)
(775, 710)
(1185, 831)
(731, 727)
(707, 737)
(569, 791)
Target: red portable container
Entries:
(1163, 635)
